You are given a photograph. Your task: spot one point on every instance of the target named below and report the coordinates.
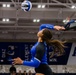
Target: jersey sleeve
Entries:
(33, 63)
(48, 26)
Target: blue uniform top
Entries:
(39, 51)
(71, 21)
(68, 24)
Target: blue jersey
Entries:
(39, 51)
(69, 23)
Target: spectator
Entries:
(13, 73)
(2, 69)
(19, 68)
(19, 73)
(12, 69)
(29, 73)
(24, 73)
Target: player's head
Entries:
(45, 34)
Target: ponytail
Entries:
(57, 45)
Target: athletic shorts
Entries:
(44, 69)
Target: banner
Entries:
(72, 55)
(59, 59)
(10, 50)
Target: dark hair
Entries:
(57, 44)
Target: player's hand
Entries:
(17, 60)
(59, 28)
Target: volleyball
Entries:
(26, 6)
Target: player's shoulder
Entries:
(40, 46)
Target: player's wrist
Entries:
(22, 62)
(55, 27)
